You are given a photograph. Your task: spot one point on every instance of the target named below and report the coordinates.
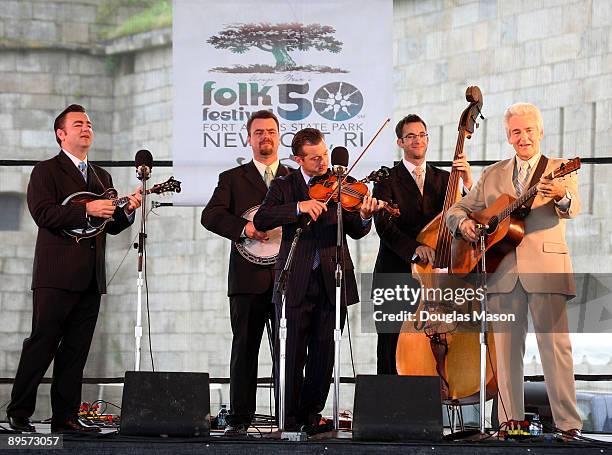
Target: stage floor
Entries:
(111, 443)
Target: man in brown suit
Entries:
(538, 274)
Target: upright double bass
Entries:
(447, 350)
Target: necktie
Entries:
(418, 177)
(317, 258)
(268, 176)
(521, 178)
(83, 169)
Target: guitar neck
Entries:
(125, 199)
(531, 192)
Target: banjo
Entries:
(96, 225)
(256, 251)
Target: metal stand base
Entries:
(295, 436)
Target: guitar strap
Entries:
(535, 178)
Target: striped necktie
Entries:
(521, 178)
(317, 257)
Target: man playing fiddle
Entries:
(310, 296)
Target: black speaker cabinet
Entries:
(397, 408)
(165, 404)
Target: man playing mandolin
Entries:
(249, 284)
(537, 274)
(69, 277)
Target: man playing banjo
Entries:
(250, 280)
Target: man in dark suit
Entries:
(249, 284)
(68, 277)
(310, 289)
(418, 189)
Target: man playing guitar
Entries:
(537, 274)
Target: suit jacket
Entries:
(398, 236)
(59, 261)
(238, 190)
(279, 208)
(541, 261)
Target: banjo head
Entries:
(256, 251)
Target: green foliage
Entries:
(157, 15)
(108, 8)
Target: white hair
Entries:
(523, 109)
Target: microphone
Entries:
(339, 160)
(144, 163)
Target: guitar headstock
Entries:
(377, 176)
(566, 168)
(170, 185)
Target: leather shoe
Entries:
(21, 424)
(323, 426)
(234, 431)
(72, 426)
(571, 435)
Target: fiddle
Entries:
(325, 189)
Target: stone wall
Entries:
(553, 53)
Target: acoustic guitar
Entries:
(505, 227)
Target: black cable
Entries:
(579, 438)
(144, 224)
(129, 248)
(272, 344)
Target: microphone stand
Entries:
(483, 328)
(338, 328)
(336, 432)
(282, 341)
(143, 173)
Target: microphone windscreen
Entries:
(340, 156)
(144, 158)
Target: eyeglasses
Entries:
(412, 137)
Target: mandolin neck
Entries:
(118, 202)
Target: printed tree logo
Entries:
(279, 40)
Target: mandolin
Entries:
(505, 227)
(96, 225)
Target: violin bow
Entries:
(382, 127)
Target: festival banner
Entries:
(320, 64)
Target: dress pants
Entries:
(63, 324)
(248, 315)
(386, 348)
(310, 353)
(549, 315)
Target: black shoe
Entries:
(323, 426)
(21, 424)
(72, 426)
(236, 431)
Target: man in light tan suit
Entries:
(538, 274)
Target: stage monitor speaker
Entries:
(397, 408)
(165, 404)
